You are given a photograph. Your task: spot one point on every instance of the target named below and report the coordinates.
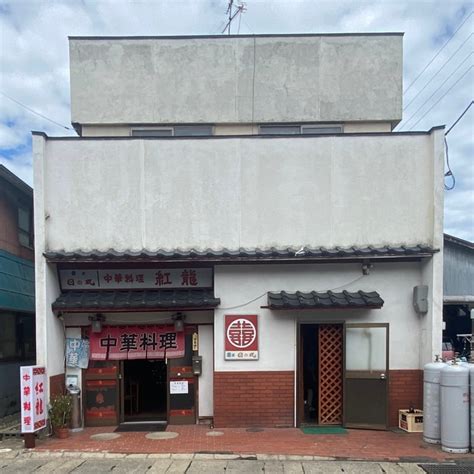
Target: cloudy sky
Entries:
(34, 62)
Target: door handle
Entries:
(383, 376)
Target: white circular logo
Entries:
(241, 333)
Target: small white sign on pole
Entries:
(33, 398)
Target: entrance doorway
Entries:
(343, 374)
(321, 369)
(144, 390)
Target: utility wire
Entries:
(247, 25)
(434, 93)
(449, 172)
(438, 71)
(238, 29)
(219, 28)
(437, 102)
(34, 111)
(437, 54)
(459, 118)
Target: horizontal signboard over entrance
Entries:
(129, 279)
(137, 342)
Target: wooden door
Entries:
(101, 393)
(182, 386)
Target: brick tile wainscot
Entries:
(246, 399)
(405, 391)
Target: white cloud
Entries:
(34, 59)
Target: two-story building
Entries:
(17, 297)
(237, 234)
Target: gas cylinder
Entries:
(431, 403)
(471, 378)
(455, 408)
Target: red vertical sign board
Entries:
(241, 337)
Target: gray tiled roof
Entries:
(135, 300)
(242, 254)
(328, 299)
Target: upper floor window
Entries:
(311, 129)
(25, 228)
(175, 131)
(155, 132)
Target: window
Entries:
(25, 234)
(157, 132)
(176, 131)
(17, 337)
(320, 129)
(312, 129)
(280, 129)
(192, 130)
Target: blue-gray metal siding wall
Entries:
(458, 270)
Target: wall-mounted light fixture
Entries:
(96, 322)
(178, 319)
(366, 267)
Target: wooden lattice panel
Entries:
(330, 374)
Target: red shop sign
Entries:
(241, 337)
(136, 342)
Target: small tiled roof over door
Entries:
(324, 300)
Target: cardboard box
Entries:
(411, 422)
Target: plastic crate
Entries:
(411, 422)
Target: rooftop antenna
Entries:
(232, 12)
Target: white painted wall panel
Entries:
(206, 379)
(238, 192)
(236, 285)
(236, 80)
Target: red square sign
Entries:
(241, 337)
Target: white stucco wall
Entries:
(49, 329)
(247, 79)
(239, 192)
(236, 285)
(432, 270)
(139, 317)
(206, 379)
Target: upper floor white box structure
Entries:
(237, 79)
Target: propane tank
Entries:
(455, 408)
(471, 378)
(431, 403)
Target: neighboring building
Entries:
(17, 281)
(238, 207)
(458, 283)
